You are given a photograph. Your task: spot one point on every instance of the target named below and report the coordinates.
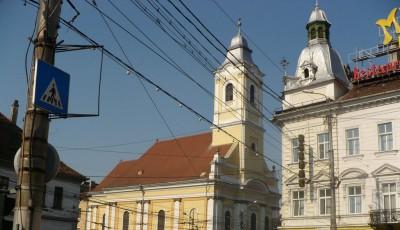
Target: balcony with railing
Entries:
(384, 216)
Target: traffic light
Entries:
(302, 164)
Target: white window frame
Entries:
(326, 146)
(389, 193)
(385, 134)
(352, 141)
(301, 204)
(295, 149)
(327, 201)
(354, 196)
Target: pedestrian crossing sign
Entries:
(51, 88)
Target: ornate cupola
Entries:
(318, 26)
(319, 67)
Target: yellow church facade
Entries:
(213, 180)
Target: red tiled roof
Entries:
(375, 86)
(10, 142)
(173, 160)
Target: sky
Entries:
(129, 122)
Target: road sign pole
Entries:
(31, 176)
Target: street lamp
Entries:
(331, 162)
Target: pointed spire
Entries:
(316, 4)
(239, 25)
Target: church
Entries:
(213, 180)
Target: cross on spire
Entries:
(239, 25)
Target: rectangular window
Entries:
(295, 150)
(324, 201)
(298, 203)
(354, 196)
(323, 145)
(352, 142)
(58, 197)
(389, 196)
(385, 137)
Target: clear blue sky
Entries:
(127, 117)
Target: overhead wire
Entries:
(171, 62)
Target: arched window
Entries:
(193, 219)
(125, 221)
(229, 92)
(253, 222)
(266, 223)
(320, 32)
(103, 222)
(161, 220)
(306, 73)
(252, 94)
(253, 146)
(227, 220)
(313, 33)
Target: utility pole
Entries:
(332, 173)
(331, 161)
(31, 173)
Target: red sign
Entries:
(376, 71)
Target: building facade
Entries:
(61, 201)
(364, 137)
(214, 180)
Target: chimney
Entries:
(14, 112)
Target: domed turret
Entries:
(319, 66)
(238, 51)
(317, 15)
(318, 26)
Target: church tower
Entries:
(319, 69)
(238, 106)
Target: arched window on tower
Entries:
(161, 220)
(306, 73)
(253, 222)
(320, 32)
(229, 92)
(227, 220)
(125, 221)
(252, 94)
(313, 33)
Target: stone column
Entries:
(177, 205)
(88, 217)
(107, 213)
(237, 209)
(112, 216)
(210, 213)
(146, 215)
(262, 217)
(219, 214)
(139, 215)
(94, 217)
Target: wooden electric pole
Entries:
(332, 172)
(31, 173)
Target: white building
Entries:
(61, 204)
(364, 135)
